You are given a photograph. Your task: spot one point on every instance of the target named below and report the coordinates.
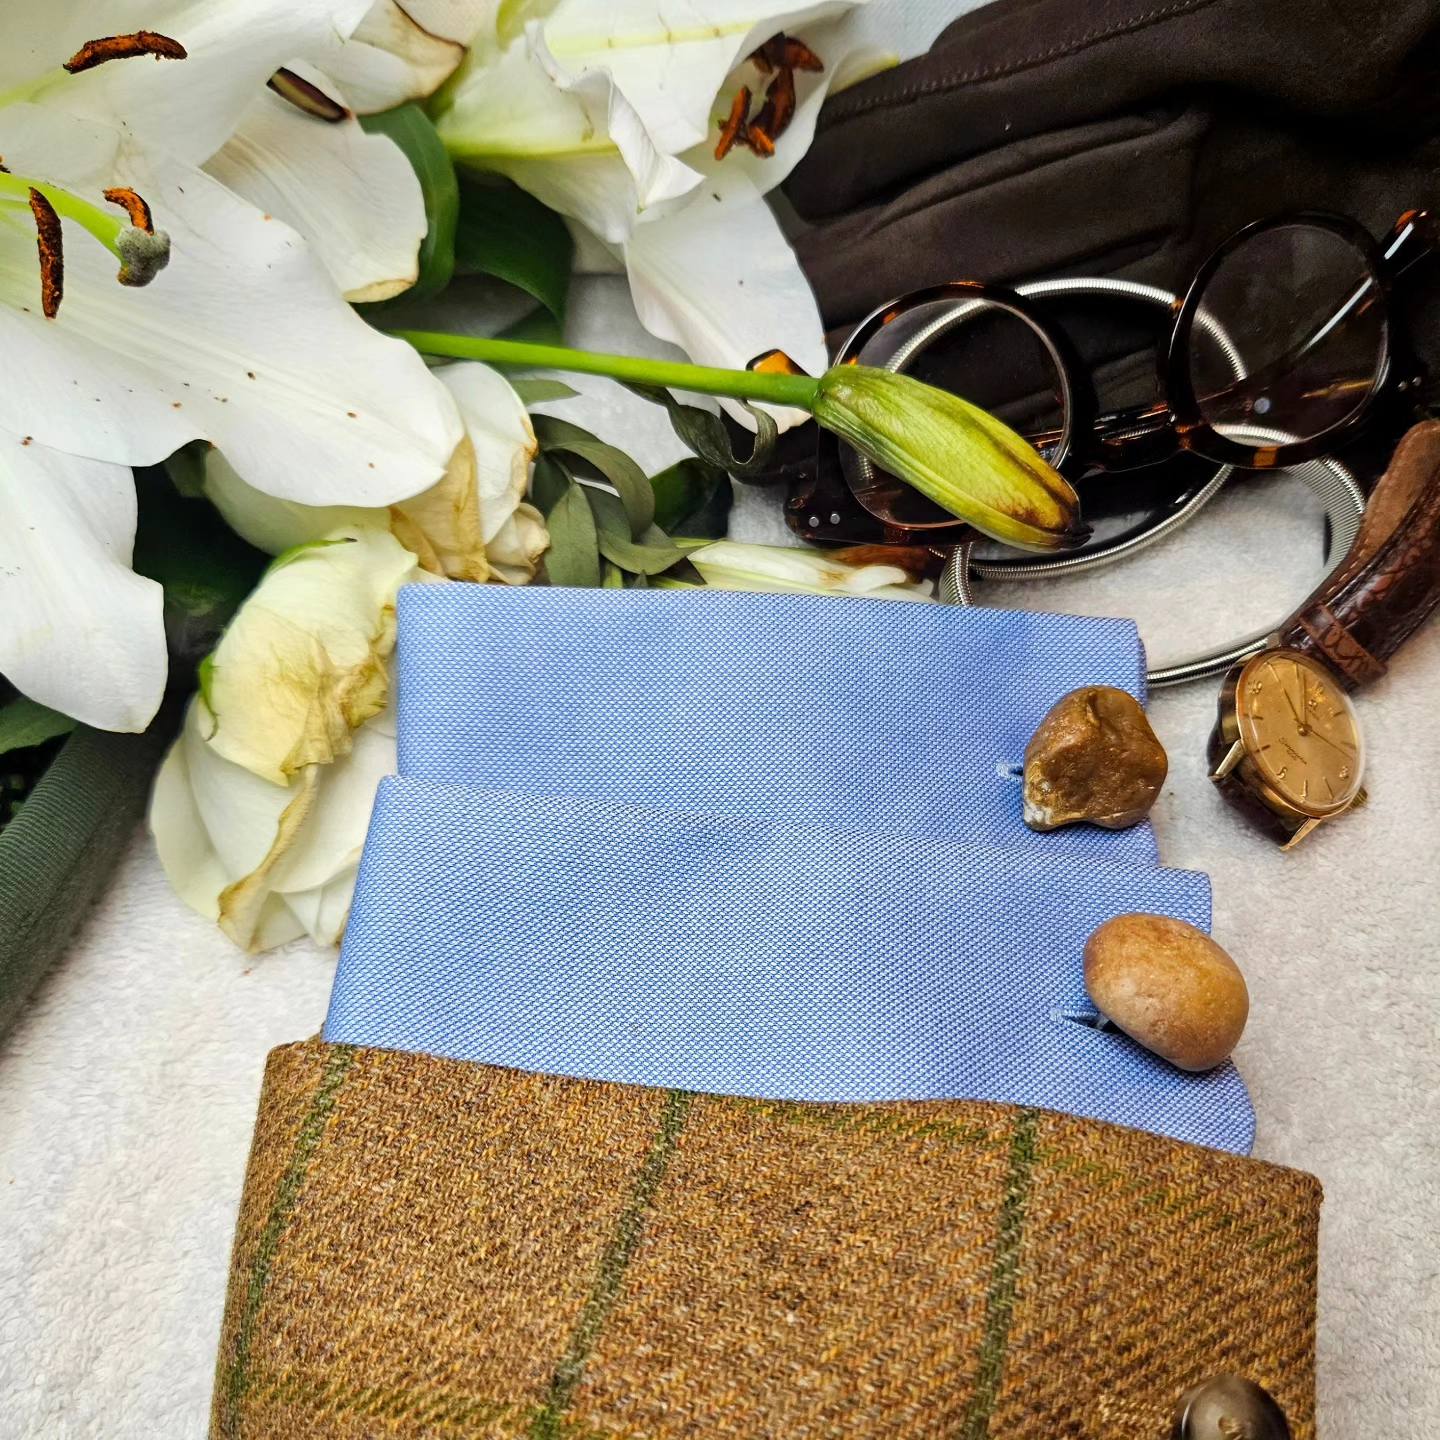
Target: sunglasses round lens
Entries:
(1290, 337)
(991, 356)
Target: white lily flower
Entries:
(610, 117)
(259, 811)
(242, 341)
(473, 525)
(730, 565)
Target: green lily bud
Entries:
(962, 458)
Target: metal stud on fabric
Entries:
(1230, 1407)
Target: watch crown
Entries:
(1362, 797)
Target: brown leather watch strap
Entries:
(1390, 581)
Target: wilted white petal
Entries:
(268, 862)
(303, 663)
(462, 20)
(243, 341)
(79, 630)
(721, 281)
(514, 551)
(467, 527)
(189, 107)
(668, 58)
(502, 435)
(353, 196)
(392, 57)
(729, 565)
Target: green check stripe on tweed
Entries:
(428, 1248)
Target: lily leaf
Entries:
(614, 465)
(573, 557)
(706, 435)
(539, 389)
(25, 723)
(692, 498)
(652, 553)
(411, 129)
(549, 480)
(506, 233)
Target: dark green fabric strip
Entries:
(236, 1377)
(549, 1424)
(1000, 1301)
(60, 850)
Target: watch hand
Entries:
(1346, 750)
(1299, 719)
(1300, 714)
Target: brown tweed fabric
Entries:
(428, 1248)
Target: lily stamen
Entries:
(50, 244)
(124, 47)
(307, 96)
(134, 206)
(780, 57)
(141, 250)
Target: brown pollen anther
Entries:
(776, 113)
(785, 50)
(735, 128)
(124, 47)
(306, 96)
(50, 243)
(133, 205)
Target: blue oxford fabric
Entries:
(753, 956)
(907, 718)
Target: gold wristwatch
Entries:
(1287, 748)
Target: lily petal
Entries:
(505, 115)
(189, 107)
(353, 196)
(722, 282)
(243, 341)
(303, 663)
(81, 632)
(729, 565)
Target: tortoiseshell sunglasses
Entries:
(1285, 344)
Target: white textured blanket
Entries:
(129, 1087)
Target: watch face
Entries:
(1300, 731)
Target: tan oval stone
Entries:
(1094, 759)
(1169, 987)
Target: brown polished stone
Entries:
(1093, 759)
(1169, 987)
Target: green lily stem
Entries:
(103, 226)
(796, 390)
